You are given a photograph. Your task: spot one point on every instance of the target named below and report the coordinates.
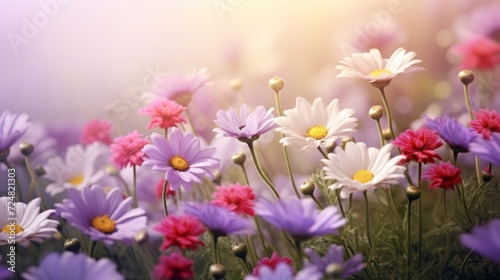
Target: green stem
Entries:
(475, 193)
(465, 261)
(408, 258)
(18, 187)
(322, 152)
(164, 197)
(420, 219)
(388, 110)
(215, 248)
(93, 244)
(317, 201)
(367, 213)
(339, 200)
(190, 120)
(380, 133)
(35, 182)
(300, 255)
(134, 186)
(259, 170)
(245, 175)
(261, 237)
(125, 185)
(251, 249)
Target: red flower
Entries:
(97, 131)
(164, 113)
(127, 150)
(271, 262)
(173, 267)
(443, 175)
(419, 145)
(237, 198)
(486, 122)
(181, 231)
(479, 53)
(159, 189)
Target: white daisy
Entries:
(314, 125)
(359, 169)
(372, 67)
(82, 166)
(29, 225)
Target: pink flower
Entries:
(181, 231)
(159, 189)
(443, 175)
(164, 113)
(127, 150)
(97, 131)
(173, 267)
(237, 198)
(271, 262)
(486, 122)
(419, 145)
(478, 53)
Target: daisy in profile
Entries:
(12, 127)
(127, 150)
(102, 216)
(164, 113)
(488, 150)
(370, 66)
(486, 122)
(177, 86)
(181, 158)
(484, 240)
(237, 198)
(455, 134)
(245, 126)
(315, 125)
(443, 175)
(72, 266)
(334, 255)
(81, 167)
(358, 168)
(30, 225)
(97, 131)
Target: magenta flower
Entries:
(443, 175)
(174, 266)
(486, 122)
(181, 231)
(245, 126)
(127, 150)
(478, 53)
(237, 198)
(419, 145)
(12, 127)
(164, 113)
(104, 217)
(97, 131)
(181, 158)
(300, 217)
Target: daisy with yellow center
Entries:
(314, 125)
(379, 71)
(358, 168)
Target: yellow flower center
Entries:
(76, 180)
(103, 224)
(317, 132)
(363, 176)
(179, 163)
(377, 72)
(16, 228)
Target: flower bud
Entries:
(240, 250)
(486, 176)
(217, 271)
(111, 170)
(346, 140)
(26, 148)
(307, 188)
(141, 237)
(72, 245)
(466, 77)
(40, 171)
(334, 271)
(376, 112)
(276, 84)
(239, 158)
(217, 178)
(330, 147)
(236, 84)
(386, 133)
(412, 193)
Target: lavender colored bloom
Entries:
(300, 217)
(5, 273)
(104, 217)
(12, 127)
(335, 255)
(220, 220)
(454, 133)
(282, 271)
(72, 266)
(484, 240)
(488, 150)
(181, 158)
(245, 126)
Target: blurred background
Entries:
(73, 60)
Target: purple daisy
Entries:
(181, 158)
(488, 150)
(300, 217)
(485, 240)
(454, 133)
(72, 266)
(104, 217)
(247, 126)
(335, 255)
(282, 271)
(12, 127)
(220, 220)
